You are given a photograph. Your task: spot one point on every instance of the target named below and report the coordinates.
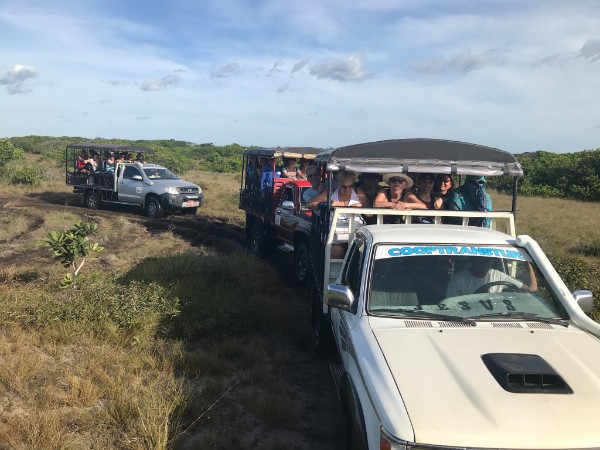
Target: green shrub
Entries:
(8, 153)
(577, 273)
(28, 176)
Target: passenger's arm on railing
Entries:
(313, 203)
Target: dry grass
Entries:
(559, 226)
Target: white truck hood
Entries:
(453, 399)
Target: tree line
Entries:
(574, 176)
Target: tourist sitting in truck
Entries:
(109, 164)
(316, 187)
(421, 198)
(81, 162)
(289, 169)
(266, 177)
(471, 196)
(393, 196)
(344, 195)
(303, 169)
(443, 189)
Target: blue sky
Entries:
(517, 75)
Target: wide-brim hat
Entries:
(405, 177)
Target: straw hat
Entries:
(387, 176)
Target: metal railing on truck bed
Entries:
(503, 221)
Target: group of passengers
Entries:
(263, 171)
(94, 163)
(399, 191)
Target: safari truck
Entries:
(276, 215)
(154, 188)
(450, 336)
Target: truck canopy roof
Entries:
(110, 147)
(422, 156)
(287, 152)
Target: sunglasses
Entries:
(347, 186)
(397, 180)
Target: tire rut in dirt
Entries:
(200, 231)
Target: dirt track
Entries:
(319, 423)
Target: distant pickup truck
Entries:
(276, 216)
(134, 182)
(450, 336)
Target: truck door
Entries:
(343, 321)
(131, 185)
(286, 217)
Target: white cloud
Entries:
(15, 79)
(226, 71)
(160, 84)
(344, 70)
(284, 87)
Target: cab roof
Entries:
(422, 156)
(436, 234)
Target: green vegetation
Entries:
(574, 176)
(72, 249)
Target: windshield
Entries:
(459, 282)
(159, 173)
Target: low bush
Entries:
(27, 176)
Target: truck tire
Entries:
(92, 199)
(356, 436)
(154, 209)
(301, 264)
(259, 239)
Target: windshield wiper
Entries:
(412, 314)
(522, 316)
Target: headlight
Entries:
(172, 190)
(199, 190)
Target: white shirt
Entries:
(465, 283)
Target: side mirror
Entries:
(339, 296)
(585, 300)
(137, 178)
(288, 204)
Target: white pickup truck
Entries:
(452, 336)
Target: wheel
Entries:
(92, 199)
(510, 287)
(154, 209)
(356, 436)
(301, 264)
(259, 239)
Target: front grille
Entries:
(188, 190)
